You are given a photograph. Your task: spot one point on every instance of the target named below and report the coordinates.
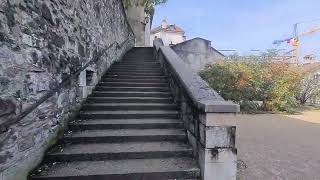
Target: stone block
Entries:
(217, 136)
(193, 142)
(218, 164)
(218, 119)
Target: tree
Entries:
(310, 88)
(148, 4)
(249, 79)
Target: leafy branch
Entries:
(148, 4)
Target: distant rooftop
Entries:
(165, 27)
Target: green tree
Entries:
(255, 78)
(148, 4)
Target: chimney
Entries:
(164, 24)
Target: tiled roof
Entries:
(170, 28)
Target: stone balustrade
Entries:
(208, 119)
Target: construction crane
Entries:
(294, 41)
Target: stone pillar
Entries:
(215, 146)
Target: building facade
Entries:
(170, 34)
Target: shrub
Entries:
(245, 80)
(249, 106)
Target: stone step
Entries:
(129, 94)
(123, 66)
(131, 169)
(143, 60)
(133, 64)
(128, 129)
(134, 77)
(134, 73)
(137, 66)
(125, 135)
(129, 100)
(139, 57)
(133, 89)
(117, 151)
(134, 80)
(97, 124)
(129, 114)
(132, 84)
(129, 106)
(147, 70)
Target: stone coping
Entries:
(203, 97)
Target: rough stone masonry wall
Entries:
(41, 43)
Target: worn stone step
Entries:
(129, 106)
(143, 70)
(128, 114)
(134, 77)
(134, 80)
(132, 169)
(129, 100)
(137, 66)
(134, 65)
(132, 84)
(97, 124)
(125, 135)
(129, 94)
(149, 67)
(117, 151)
(133, 89)
(139, 58)
(142, 61)
(134, 73)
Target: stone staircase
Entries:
(128, 129)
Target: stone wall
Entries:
(42, 42)
(197, 53)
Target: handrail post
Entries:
(217, 155)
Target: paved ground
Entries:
(279, 147)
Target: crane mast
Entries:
(295, 40)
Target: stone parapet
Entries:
(208, 119)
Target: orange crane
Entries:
(294, 41)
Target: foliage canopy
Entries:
(148, 4)
(252, 79)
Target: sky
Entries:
(244, 25)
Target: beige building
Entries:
(169, 33)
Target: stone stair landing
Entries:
(128, 129)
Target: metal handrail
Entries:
(64, 82)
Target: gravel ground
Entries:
(279, 147)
